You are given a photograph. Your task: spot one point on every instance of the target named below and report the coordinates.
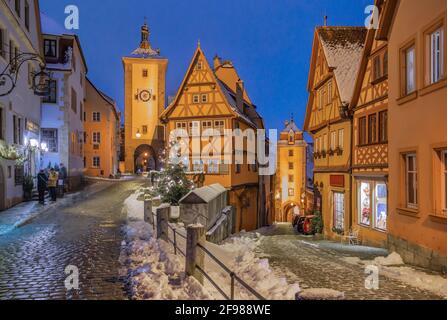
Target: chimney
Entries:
(240, 95)
(217, 62)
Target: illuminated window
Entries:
(339, 210)
(373, 209)
(341, 138)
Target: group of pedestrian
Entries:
(51, 180)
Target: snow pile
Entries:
(393, 259)
(154, 272)
(134, 208)
(393, 267)
(239, 256)
(320, 294)
(415, 278)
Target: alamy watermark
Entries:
(72, 280)
(225, 147)
(372, 278)
(72, 19)
(372, 20)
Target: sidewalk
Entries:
(23, 213)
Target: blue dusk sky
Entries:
(268, 41)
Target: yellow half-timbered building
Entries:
(370, 142)
(214, 98)
(335, 60)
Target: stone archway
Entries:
(145, 158)
(288, 210)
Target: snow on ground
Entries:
(393, 267)
(238, 255)
(154, 272)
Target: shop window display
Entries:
(373, 207)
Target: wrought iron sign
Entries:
(10, 75)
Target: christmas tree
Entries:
(172, 183)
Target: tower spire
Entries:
(145, 48)
(145, 36)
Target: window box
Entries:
(331, 152)
(339, 151)
(324, 153)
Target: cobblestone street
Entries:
(321, 264)
(86, 235)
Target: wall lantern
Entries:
(345, 112)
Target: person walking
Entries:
(52, 184)
(42, 183)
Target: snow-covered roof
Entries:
(204, 195)
(50, 26)
(291, 126)
(343, 48)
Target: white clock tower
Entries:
(144, 80)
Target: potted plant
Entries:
(331, 152)
(339, 151)
(323, 153)
(28, 187)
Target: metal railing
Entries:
(233, 276)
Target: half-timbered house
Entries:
(216, 99)
(369, 107)
(336, 57)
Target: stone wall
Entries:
(416, 255)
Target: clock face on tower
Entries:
(145, 95)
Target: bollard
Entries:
(195, 234)
(148, 217)
(162, 222)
